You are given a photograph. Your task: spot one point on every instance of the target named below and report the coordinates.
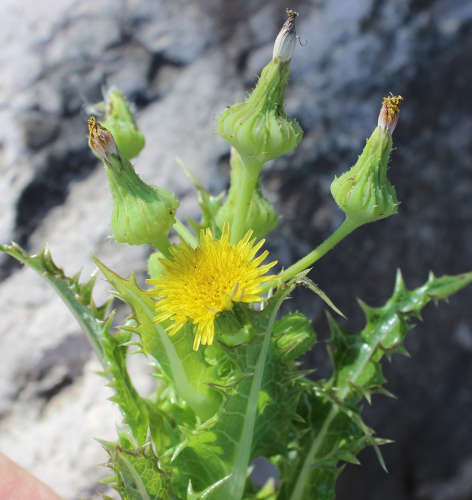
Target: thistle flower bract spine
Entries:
(198, 284)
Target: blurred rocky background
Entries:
(182, 62)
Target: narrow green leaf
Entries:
(77, 296)
(132, 406)
(308, 283)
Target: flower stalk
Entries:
(247, 183)
(347, 227)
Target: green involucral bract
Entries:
(259, 129)
(142, 214)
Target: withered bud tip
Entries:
(101, 140)
(389, 112)
(286, 39)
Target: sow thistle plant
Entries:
(229, 384)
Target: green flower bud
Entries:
(232, 326)
(141, 213)
(261, 218)
(294, 335)
(259, 128)
(120, 122)
(364, 192)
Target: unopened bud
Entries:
(286, 40)
(142, 214)
(120, 122)
(101, 140)
(259, 129)
(294, 335)
(364, 192)
(389, 113)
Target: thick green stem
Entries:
(247, 184)
(343, 230)
(185, 233)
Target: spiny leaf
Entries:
(77, 296)
(138, 474)
(132, 406)
(338, 431)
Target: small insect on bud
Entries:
(286, 40)
(101, 140)
(389, 113)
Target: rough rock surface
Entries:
(182, 62)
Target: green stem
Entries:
(343, 230)
(247, 184)
(234, 489)
(302, 478)
(185, 233)
(243, 451)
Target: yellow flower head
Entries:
(199, 283)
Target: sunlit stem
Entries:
(247, 183)
(182, 230)
(343, 230)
